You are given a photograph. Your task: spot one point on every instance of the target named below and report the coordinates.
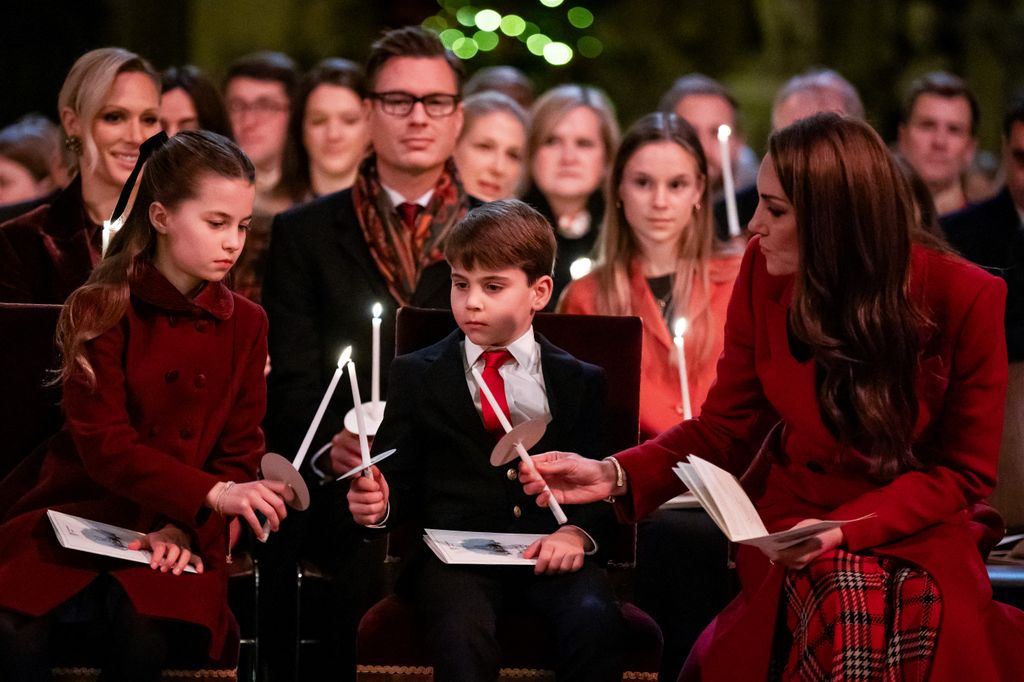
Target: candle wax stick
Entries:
(728, 186)
(555, 507)
(375, 369)
(684, 382)
(364, 444)
(318, 417)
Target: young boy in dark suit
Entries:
(501, 255)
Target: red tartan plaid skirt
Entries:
(852, 617)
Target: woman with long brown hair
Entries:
(882, 356)
(163, 393)
(658, 259)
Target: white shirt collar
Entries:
(397, 198)
(523, 350)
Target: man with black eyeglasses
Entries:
(330, 260)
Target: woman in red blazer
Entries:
(659, 261)
(163, 396)
(882, 355)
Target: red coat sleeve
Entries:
(967, 441)
(732, 421)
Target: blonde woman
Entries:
(109, 105)
(573, 135)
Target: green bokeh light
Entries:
(536, 43)
(465, 48)
(487, 20)
(589, 46)
(530, 29)
(551, 3)
(557, 54)
(513, 25)
(486, 40)
(581, 17)
(466, 15)
(449, 36)
(436, 23)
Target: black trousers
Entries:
(459, 606)
(99, 623)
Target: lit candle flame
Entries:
(724, 132)
(377, 310)
(346, 355)
(680, 327)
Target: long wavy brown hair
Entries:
(856, 222)
(618, 248)
(173, 174)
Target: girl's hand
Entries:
(560, 552)
(245, 499)
(170, 548)
(573, 479)
(798, 556)
(368, 498)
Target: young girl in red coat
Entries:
(163, 395)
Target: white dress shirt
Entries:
(524, 379)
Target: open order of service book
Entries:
(472, 547)
(727, 504)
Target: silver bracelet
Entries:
(220, 497)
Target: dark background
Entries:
(751, 45)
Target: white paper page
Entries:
(470, 547)
(738, 512)
(689, 476)
(685, 500)
(95, 537)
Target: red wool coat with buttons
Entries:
(661, 405)
(920, 516)
(179, 399)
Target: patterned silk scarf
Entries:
(402, 254)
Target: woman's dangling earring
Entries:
(73, 143)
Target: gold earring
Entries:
(73, 143)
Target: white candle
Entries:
(728, 187)
(110, 228)
(524, 456)
(364, 443)
(375, 371)
(311, 431)
(680, 329)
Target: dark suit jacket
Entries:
(320, 285)
(990, 235)
(441, 475)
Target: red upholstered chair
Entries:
(31, 414)
(389, 642)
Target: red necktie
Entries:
(493, 359)
(409, 213)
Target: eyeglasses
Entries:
(261, 107)
(436, 104)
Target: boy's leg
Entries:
(457, 606)
(586, 622)
(24, 647)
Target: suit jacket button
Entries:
(516, 511)
(199, 381)
(202, 325)
(171, 376)
(185, 433)
(815, 467)
(512, 474)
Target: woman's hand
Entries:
(560, 552)
(798, 556)
(170, 548)
(572, 479)
(368, 498)
(245, 499)
(345, 453)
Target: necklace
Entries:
(661, 288)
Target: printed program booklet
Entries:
(84, 535)
(470, 547)
(727, 504)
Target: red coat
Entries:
(661, 405)
(52, 250)
(179, 401)
(920, 517)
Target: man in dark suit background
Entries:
(330, 260)
(991, 234)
